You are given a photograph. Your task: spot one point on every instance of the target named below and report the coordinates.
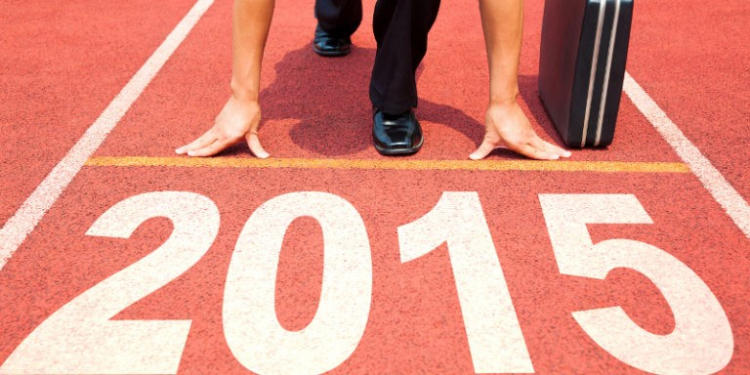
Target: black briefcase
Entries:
(582, 67)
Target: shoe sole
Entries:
(330, 54)
(399, 151)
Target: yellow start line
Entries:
(393, 164)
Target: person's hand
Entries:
(238, 120)
(508, 127)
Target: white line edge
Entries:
(721, 190)
(31, 212)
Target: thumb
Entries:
(254, 143)
(484, 149)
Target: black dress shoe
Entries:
(328, 45)
(396, 134)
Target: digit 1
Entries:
(495, 339)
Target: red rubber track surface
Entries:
(61, 64)
(415, 323)
(691, 58)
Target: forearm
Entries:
(502, 21)
(250, 24)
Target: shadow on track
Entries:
(327, 99)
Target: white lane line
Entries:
(28, 216)
(722, 191)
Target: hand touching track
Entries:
(240, 117)
(508, 127)
(238, 120)
(506, 124)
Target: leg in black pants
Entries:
(337, 21)
(400, 28)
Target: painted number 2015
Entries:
(81, 338)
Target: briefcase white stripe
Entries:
(594, 63)
(602, 106)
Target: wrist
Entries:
(503, 103)
(507, 99)
(243, 93)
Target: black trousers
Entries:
(400, 28)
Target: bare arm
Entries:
(506, 124)
(240, 117)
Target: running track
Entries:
(509, 292)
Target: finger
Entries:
(214, 148)
(563, 152)
(550, 148)
(254, 143)
(532, 152)
(501, 146)
(202, 141)
(206, 139)
(484, 149)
